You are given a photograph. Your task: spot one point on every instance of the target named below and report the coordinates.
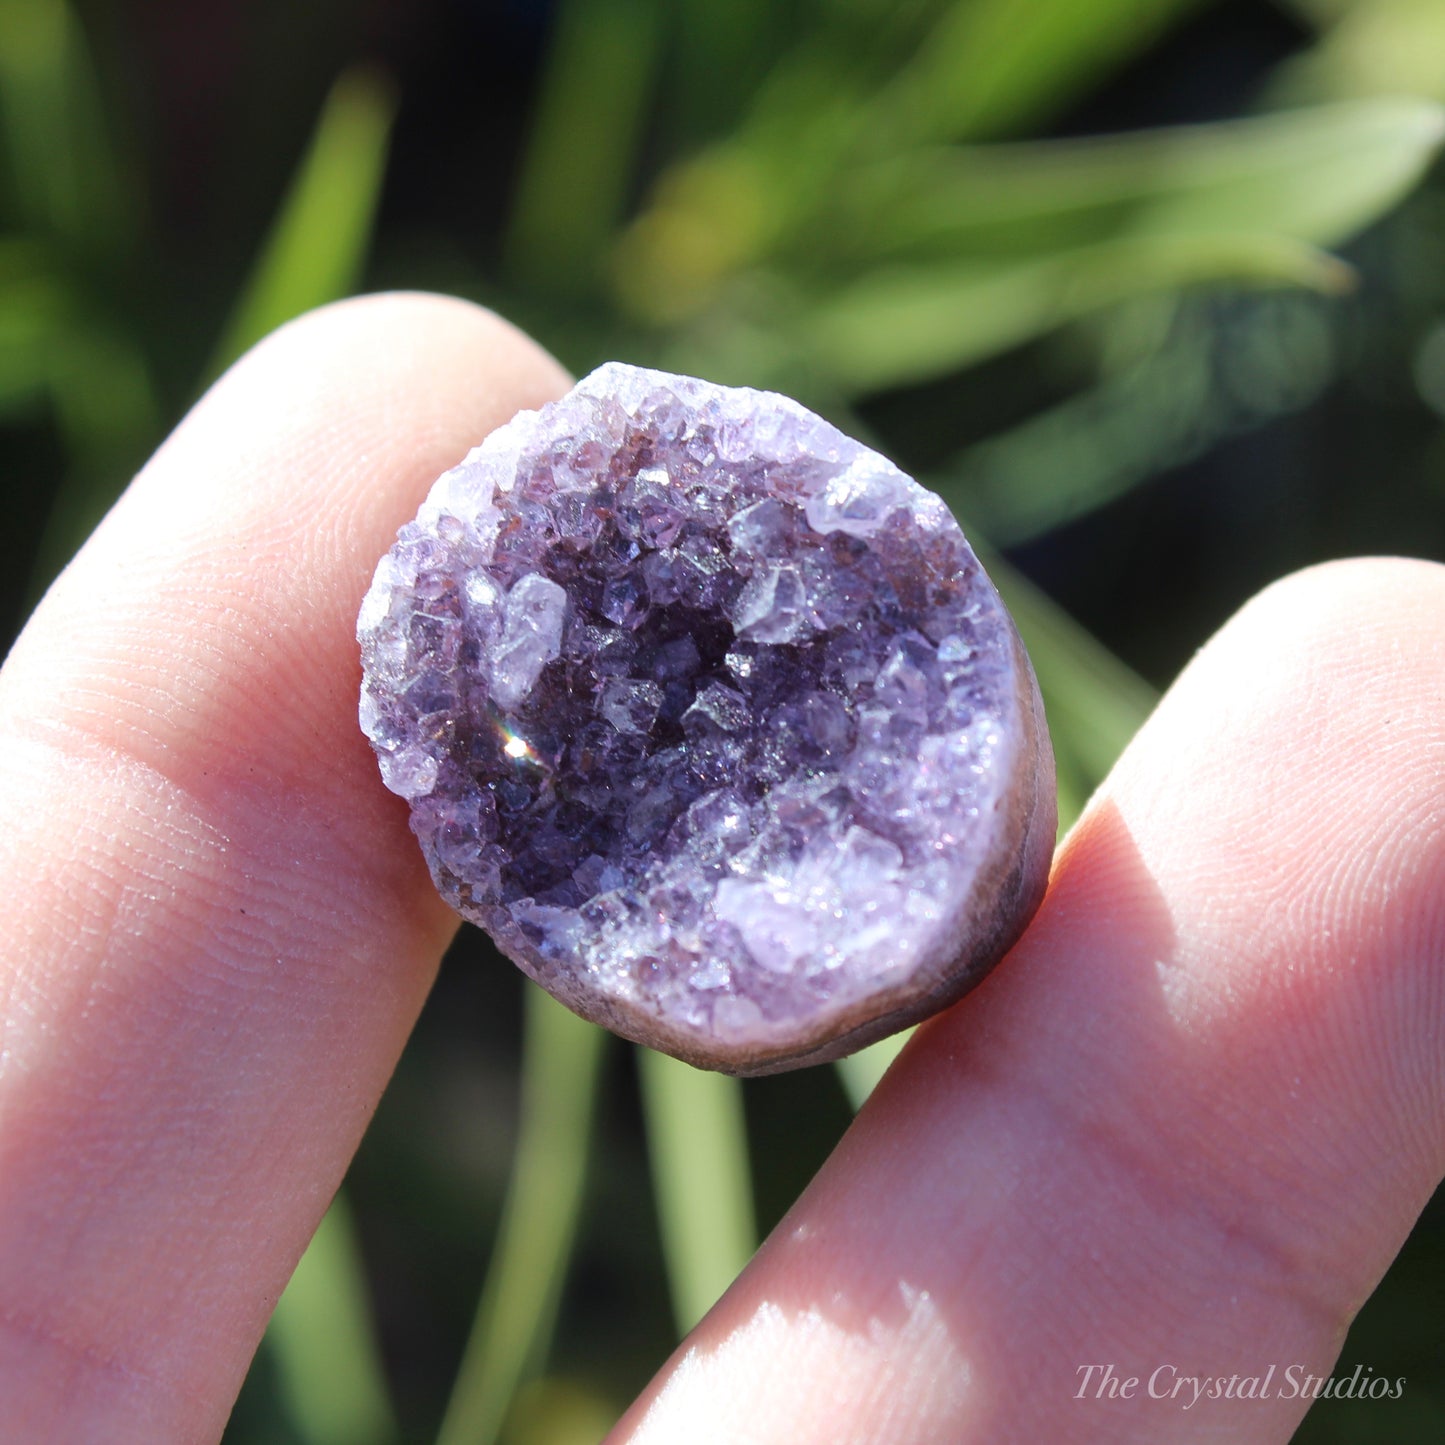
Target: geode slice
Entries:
(710, 717)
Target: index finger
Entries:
(217, 933)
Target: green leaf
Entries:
(721, 53)
(561, 1410)
(992, 66)
(104, 397)
(1095, 703)
(1203, 382)
(1318, 175)
(826, 109)
(582, 150)
(861, 1072)
(1073, 789)
(732, 205)
(108, 416)
(697, 1140)
(36, 307)
(1314, 176)
(560, 1069)
(318, 242)
(1372, 47)
(1038, 235)
(907, 324)
(63, 163)
(324, 1343)
(1076, 456)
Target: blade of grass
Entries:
(108, 416)
(324, 1344)
(1206, 381)
(35, 308)
(1095, 703)
(1315, 175)
(911, 324)
(732, 205)
(995, 245)
(583, 145)
(991, 66)
(1081, 454)
(1319, 175)
(64, 164)
(509, 1336)
(105, 400)
(1386, 47)
(318, 242)
(820, 111)
(697, 1141)
(861, 1072)
(722, 52)
(561, 1410)
(1073, 790)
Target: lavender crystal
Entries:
(709, 716)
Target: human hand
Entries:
(1188, 1122)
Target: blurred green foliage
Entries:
(321, 1336)
(697, 1137)
(858, 201)
(538, 1228)
(318, 244)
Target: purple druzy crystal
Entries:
(709, 716)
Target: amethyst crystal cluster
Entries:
(709, 716)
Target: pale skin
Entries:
(1188, 1122)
